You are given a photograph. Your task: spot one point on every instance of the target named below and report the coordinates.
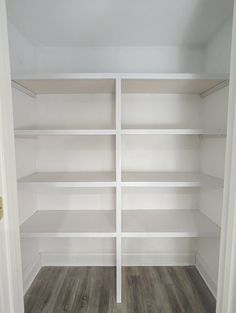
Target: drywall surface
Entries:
(27, 58)
(120, 59)
(22, 53)
(218, 50)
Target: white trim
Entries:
(11, 254)
(64, 132)
(190, 76)
(109, 259)
(226, 300)
(205, 272)
(118, 194)
(175, 131)
(31, 272)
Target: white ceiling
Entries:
(118, 22)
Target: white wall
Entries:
(218, 50)
(22, 53)
(28, 58)
(119, 59)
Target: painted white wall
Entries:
(28, 58)
(22, 53)
(120, 59)
(217, 59)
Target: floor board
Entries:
(145, 290)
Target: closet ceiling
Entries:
(118, 22)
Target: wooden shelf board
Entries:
(70, 179)
(77, 223)
(167, 223)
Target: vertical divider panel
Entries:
(118, 192)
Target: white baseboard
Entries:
(205, 272)
(30, 273)
(147, 259)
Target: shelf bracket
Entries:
(21, 88)
(213, 89)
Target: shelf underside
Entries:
(94, 132)
(136, 223)
(107, 179)
(131, 83)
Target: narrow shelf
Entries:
(62, 224)
(169, 179)
(71, 83)
(174, 131)
(189, 83)
(63, 132)
(70, 179)
(185, 83)
(167, 223)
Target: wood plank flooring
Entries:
(145, 290)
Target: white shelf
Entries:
(106, 132)
(169, 179)
(129, 179)
(70, 179)
(65, 83)
(62, 224)
(167, 223)
(63, 132)
(174, 131)
(199, 84)
(131, 83)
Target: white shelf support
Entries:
(118, 192)
(23, 89)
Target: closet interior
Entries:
(121, 169)
(120, 148)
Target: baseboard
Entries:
(158, 259)
(205, 272)
(108, 259)
(30, 273)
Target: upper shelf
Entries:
(103, 132)
(201, 84)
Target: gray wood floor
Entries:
(145, 290)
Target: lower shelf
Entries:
(135, 223)
(62, 224)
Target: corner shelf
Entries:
(70, 179)
(64, 224)
(167, 223)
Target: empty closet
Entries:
(121, 167)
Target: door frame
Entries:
(226, 300)
(11, 286)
